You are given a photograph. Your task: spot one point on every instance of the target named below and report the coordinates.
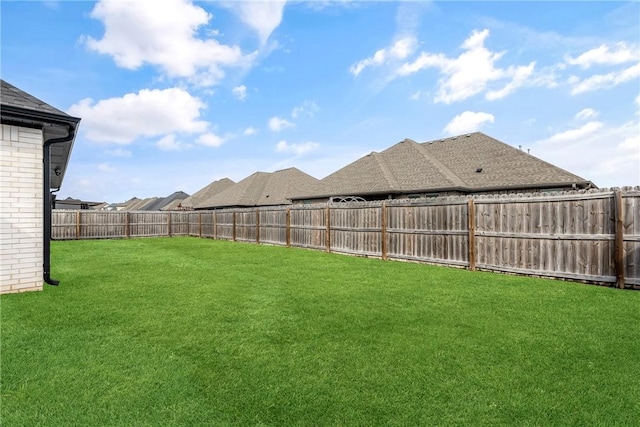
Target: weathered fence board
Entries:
(562, 236)
(591, 235)
(355, 230)
(432, 233)
(308, 226)
(631, 238)
(273, 226)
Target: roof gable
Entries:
(207, 192)
(164, 201)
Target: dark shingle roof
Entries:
(447, 164)
(502, 165)
(14, 97)
(162, 202)
(207, 192)
(262, 189)
(22, 109)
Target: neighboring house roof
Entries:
(262, 189)
(468, 163)
(162, 202)
(22, 109)
(70, 202)
(140, 205)
(207, 192)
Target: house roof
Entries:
(15, 97)
(22, 109)
(78, 202)
(162, 202)
(262, 189)
(472, 162)
(139, 204)
(207, 192)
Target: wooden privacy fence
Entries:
(592, 236)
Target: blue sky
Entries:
(176, 94)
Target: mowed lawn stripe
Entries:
(186, 331)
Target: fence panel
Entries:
(308, 227)
(356, 229)
(207, 221)
(568, 236)
(180, 223)
(436, 232)
(101, 225)
(273, 226)
(246, 225)
(224, 225)
(63, 225)
(148, 224)
(631, 237)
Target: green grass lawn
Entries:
(187, 331)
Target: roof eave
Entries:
(583, 184)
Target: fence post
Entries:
(169, 223)
(215, 225)
(234, 226)
(619, 238)
(199, 224)
(327, 220)
(288, 227)
(127, 225)
(471, 216)
(77, 225)
(257, 226)
(383, 233)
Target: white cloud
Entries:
(210, 140)
(298, 149)
(587, 113)
(467, 122)
(250, 131)
(106, 167)
(240, 92)
(308, 108)
(471, 72)
(169, 143)
(608, 155)
(603, 81)
(400, 50)
(519, 75)
(605, 55)
(276, 124)
(573, 135)
(262, 16)
(147, 113)
(163, 34)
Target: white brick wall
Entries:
(20, 209)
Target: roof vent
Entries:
(478, 170)
(442, 140)
(468, 135)
(454, 138)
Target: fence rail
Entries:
(592, 236)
